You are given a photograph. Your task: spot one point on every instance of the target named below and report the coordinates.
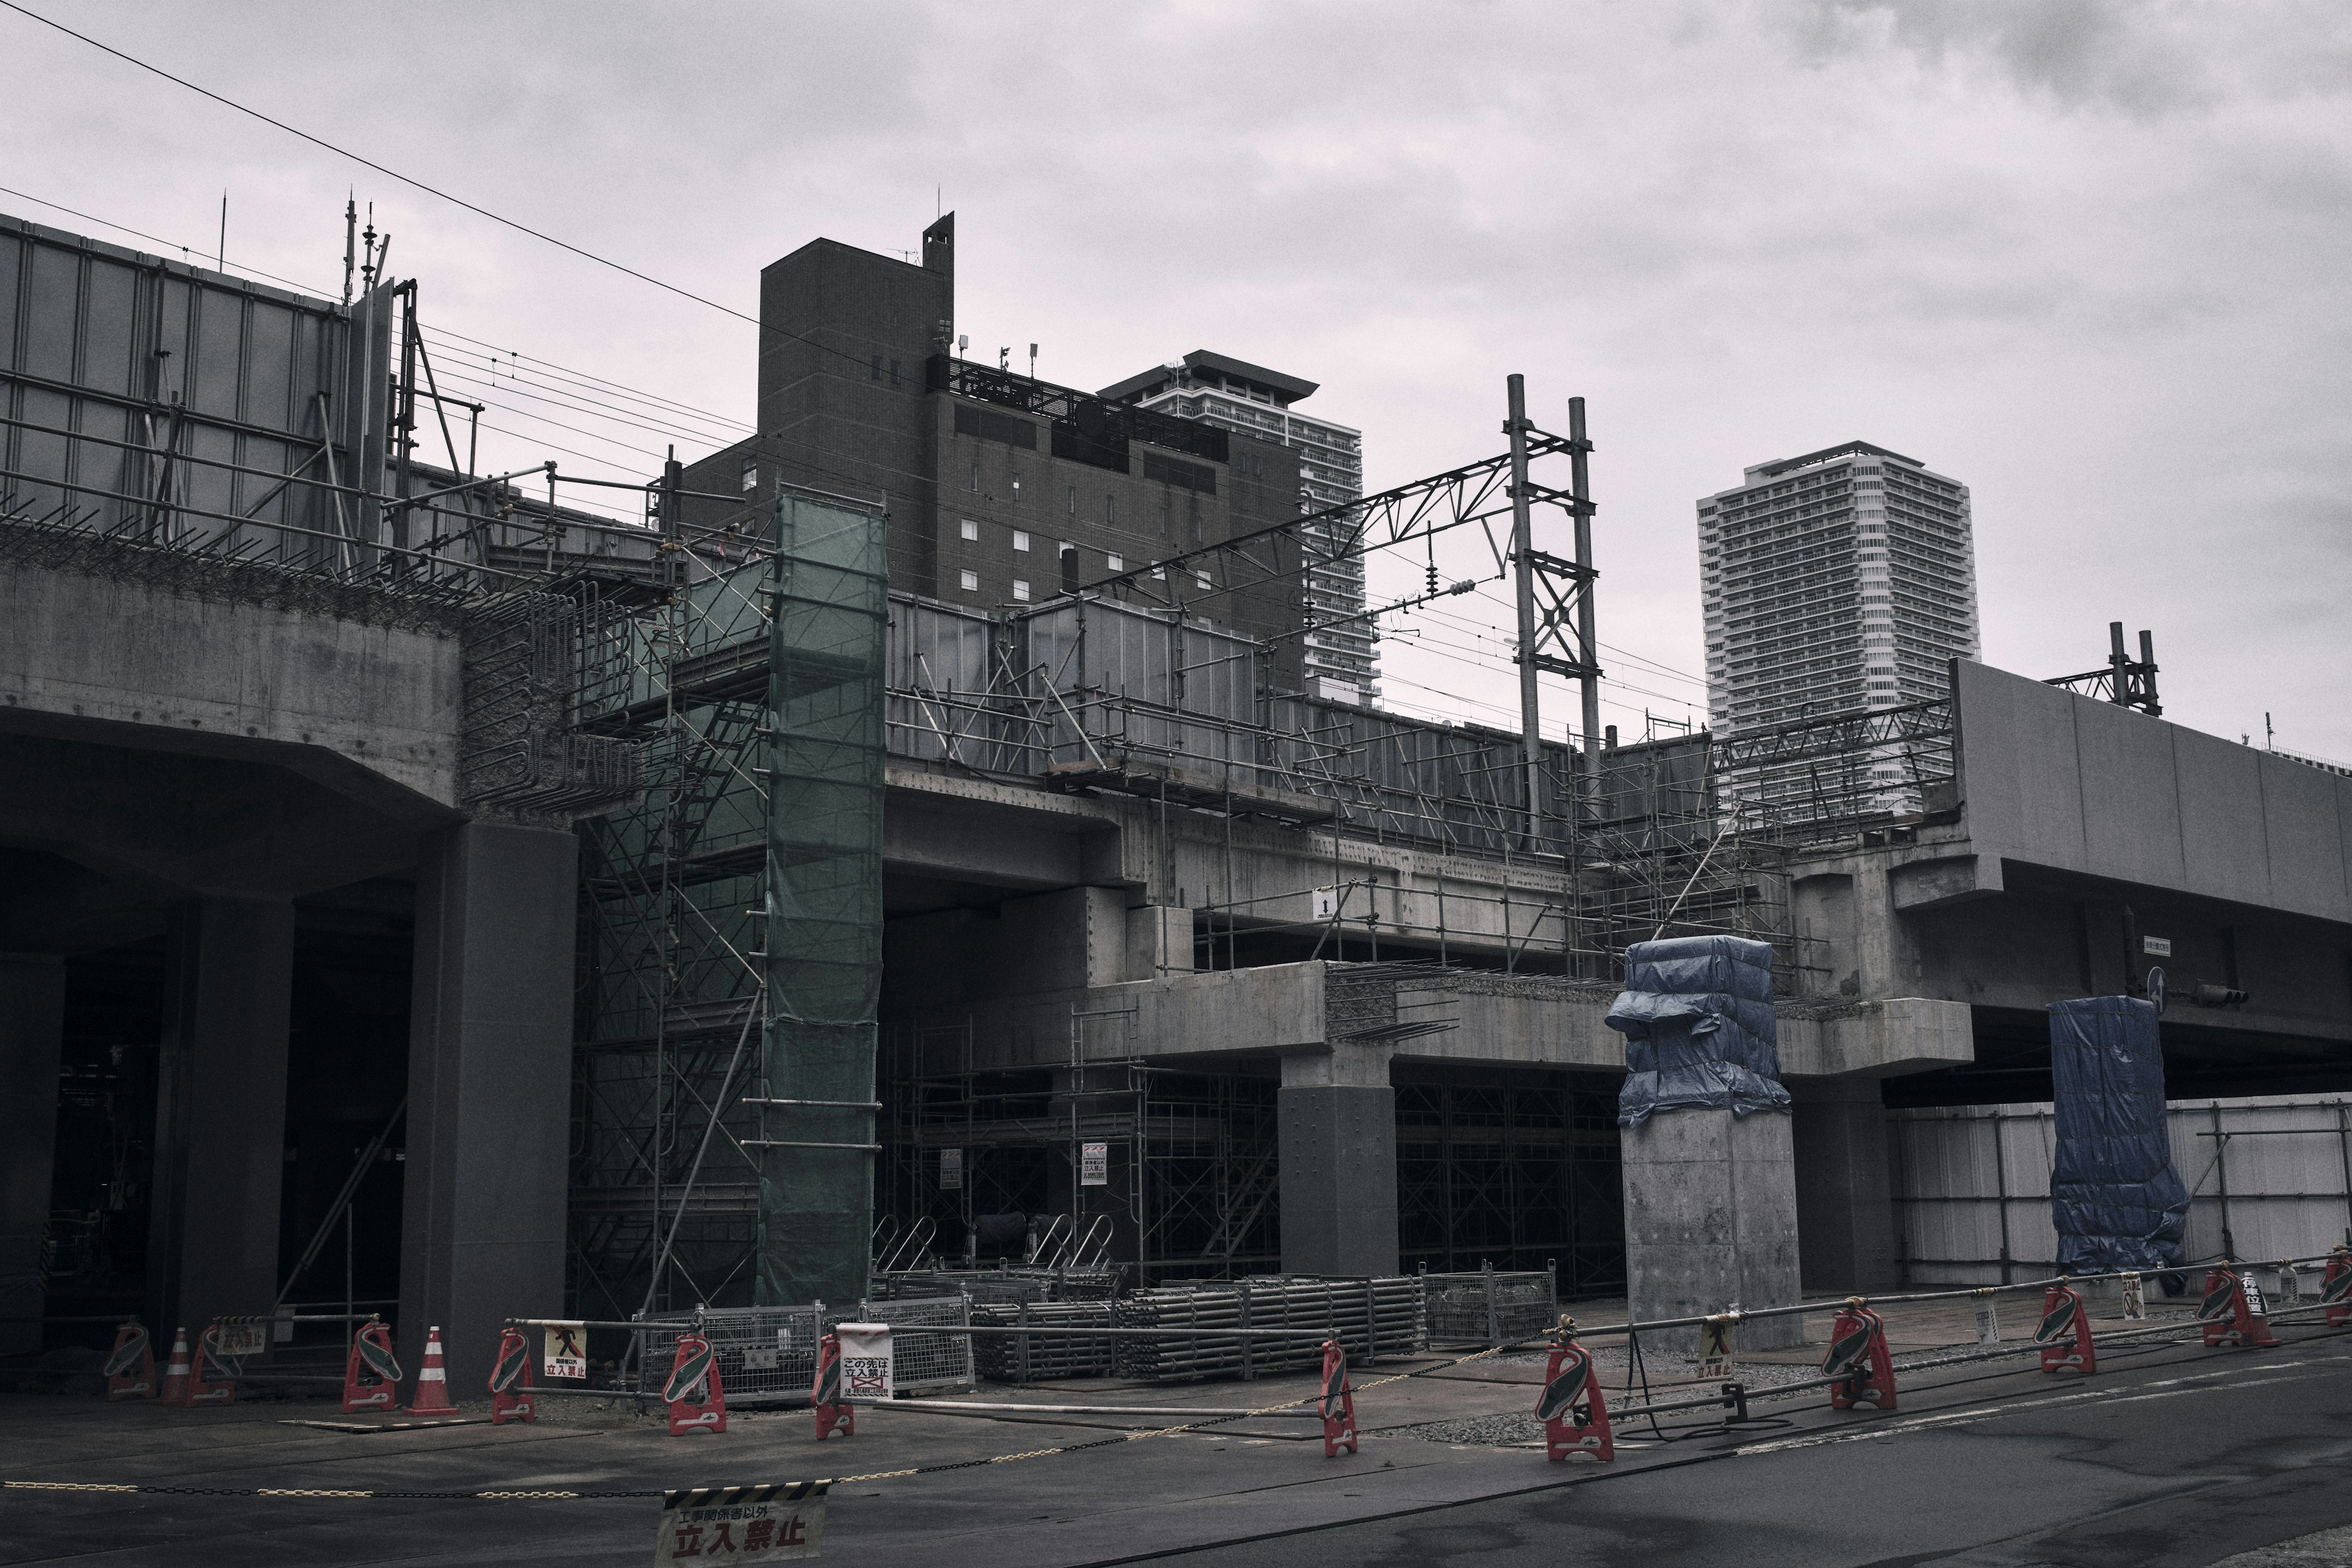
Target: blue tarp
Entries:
(2114, 1195)
(1696, 1014)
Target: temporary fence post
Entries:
(1021, 1345)
(2065, 1318)
(2335, 1290)
(1249, 1340)
(1493, 1322)
(1574, 1413)
(1859, 1360)
(1371, 1323)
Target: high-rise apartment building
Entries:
(1840, 581)
(1342, 659)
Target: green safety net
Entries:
(827, 646)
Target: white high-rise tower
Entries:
(1840, 581)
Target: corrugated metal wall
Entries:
(143, 391)
(1972, 1184)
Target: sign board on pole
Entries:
(567, 1351)
(1094, 1166)
(867, 1361)
(2155, 946)
(239, 1340)
(1327, 903)
(1715, 1346)
(1987, 1322)
(763, 1524)
(951, 1170)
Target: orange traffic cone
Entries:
(432, 1381)
(175, 1374)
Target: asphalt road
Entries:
(2174, 1457)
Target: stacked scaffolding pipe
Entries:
(1370, 1317)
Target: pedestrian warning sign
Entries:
(742, 1524)
(1094, 1166)
(567, 1351)
(865, 1360)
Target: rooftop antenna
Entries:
(367, 252)
(2270, 736)
(963, 345)
(1004, 357)
(350, 241)
(220, 260)
(1032, 361)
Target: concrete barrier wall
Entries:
(2053, 779)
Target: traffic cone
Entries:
(431, 1396)
(175, 1373)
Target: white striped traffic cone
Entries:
(432, 1381)
(175, 1375)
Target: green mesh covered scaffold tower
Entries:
(827, 643)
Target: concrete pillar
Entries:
(490, 1091)
(1710, 1219)
(1336, 1120)
(220, 1112)
(32, 1033)
(1845, 1200)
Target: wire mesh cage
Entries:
(925, 1363)
(1489, 1308)
(765, 1355)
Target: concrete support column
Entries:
(32, 1031)
(1710, 1219)
(1336, 1120)
(490, 1091)
(1845, 1200)
(220, 1112)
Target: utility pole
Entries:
(1581, 484)
(1523, 546)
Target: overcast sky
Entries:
(2088, 259)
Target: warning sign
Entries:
(951, 1170)
(1094, 1166)
(239, 1340)
(777, 1529)
(2135, 1297)
(867, 1361)
(567, 1351)
(1714, 1338)
(1987, 1322)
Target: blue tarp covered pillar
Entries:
(1710, 1184)
(2114, 1198)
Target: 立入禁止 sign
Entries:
(567, 1351)
(1094, 1166)
(742, 1524)
(867, 1369)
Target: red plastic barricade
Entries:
(1338, 1402)
(213, 1379)
(1574, 1413)
(1859, 1360)
(371, 1375)
(694, 1400)
(833, 1414)
(130, 1365)
(512, 1372)
(2229, 1316)
(2064, 1320)
(2335, 1290)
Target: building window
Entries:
(1115, 563)
(1163, 517)
(975, 479)
(1202, 578)
(894, 372)
(1021, 590)
(878, 367)
(1160, 573)
(1111, 509)
(1020, 539)
(1074, 500)
(750, 475)
(971, 529)
(971, 582)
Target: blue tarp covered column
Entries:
(1710, 1186)
(1696, 1014)
(2114, 1198)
